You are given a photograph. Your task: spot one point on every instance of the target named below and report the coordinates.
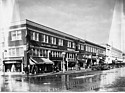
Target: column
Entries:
(49, 54)
(22, 67)
(67, 63)
(63, 62)
(76, 62)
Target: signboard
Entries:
(46, 45)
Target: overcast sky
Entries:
(86, 19)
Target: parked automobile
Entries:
(100, 67)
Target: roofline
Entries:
(60, 32)
(95, 44)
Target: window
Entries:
(91, 49)
(60, 42)
(10, 51)
(69, 44)
(45, 38)
(43, 53)
(86, 47)
(21, 51)
(73, 45)
(38, 52)
(13, 52)
(18, 35)
(35, 36)
(79, 46)
(82, 47)
(53, 40)
(16, 51)
(13, 35)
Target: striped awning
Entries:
(38, 60)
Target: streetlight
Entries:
(63, 62)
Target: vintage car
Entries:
(100, 67)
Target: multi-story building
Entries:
(37, 47)
(91, 52)
(113, 55)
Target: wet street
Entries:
(108, 80)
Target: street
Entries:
(108, 80)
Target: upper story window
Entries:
(73, 45)
(16, 51)
(60, 42)
(35, 36)
(69, 44)
(79, 46)
(45, 38)
(53, 40)
(16, 35)
(82, 47)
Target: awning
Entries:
(38, 60)
(11, 62)
(12, 59)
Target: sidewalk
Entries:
(45, 74)
(61, 73)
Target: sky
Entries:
(86, 19)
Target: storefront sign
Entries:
(48, 45)
(69, 49)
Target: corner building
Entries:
(40, 48)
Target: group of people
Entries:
(37, 70)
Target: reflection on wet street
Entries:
(108, 80)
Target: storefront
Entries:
(13, 65)
(82, 60)
(40, 65)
